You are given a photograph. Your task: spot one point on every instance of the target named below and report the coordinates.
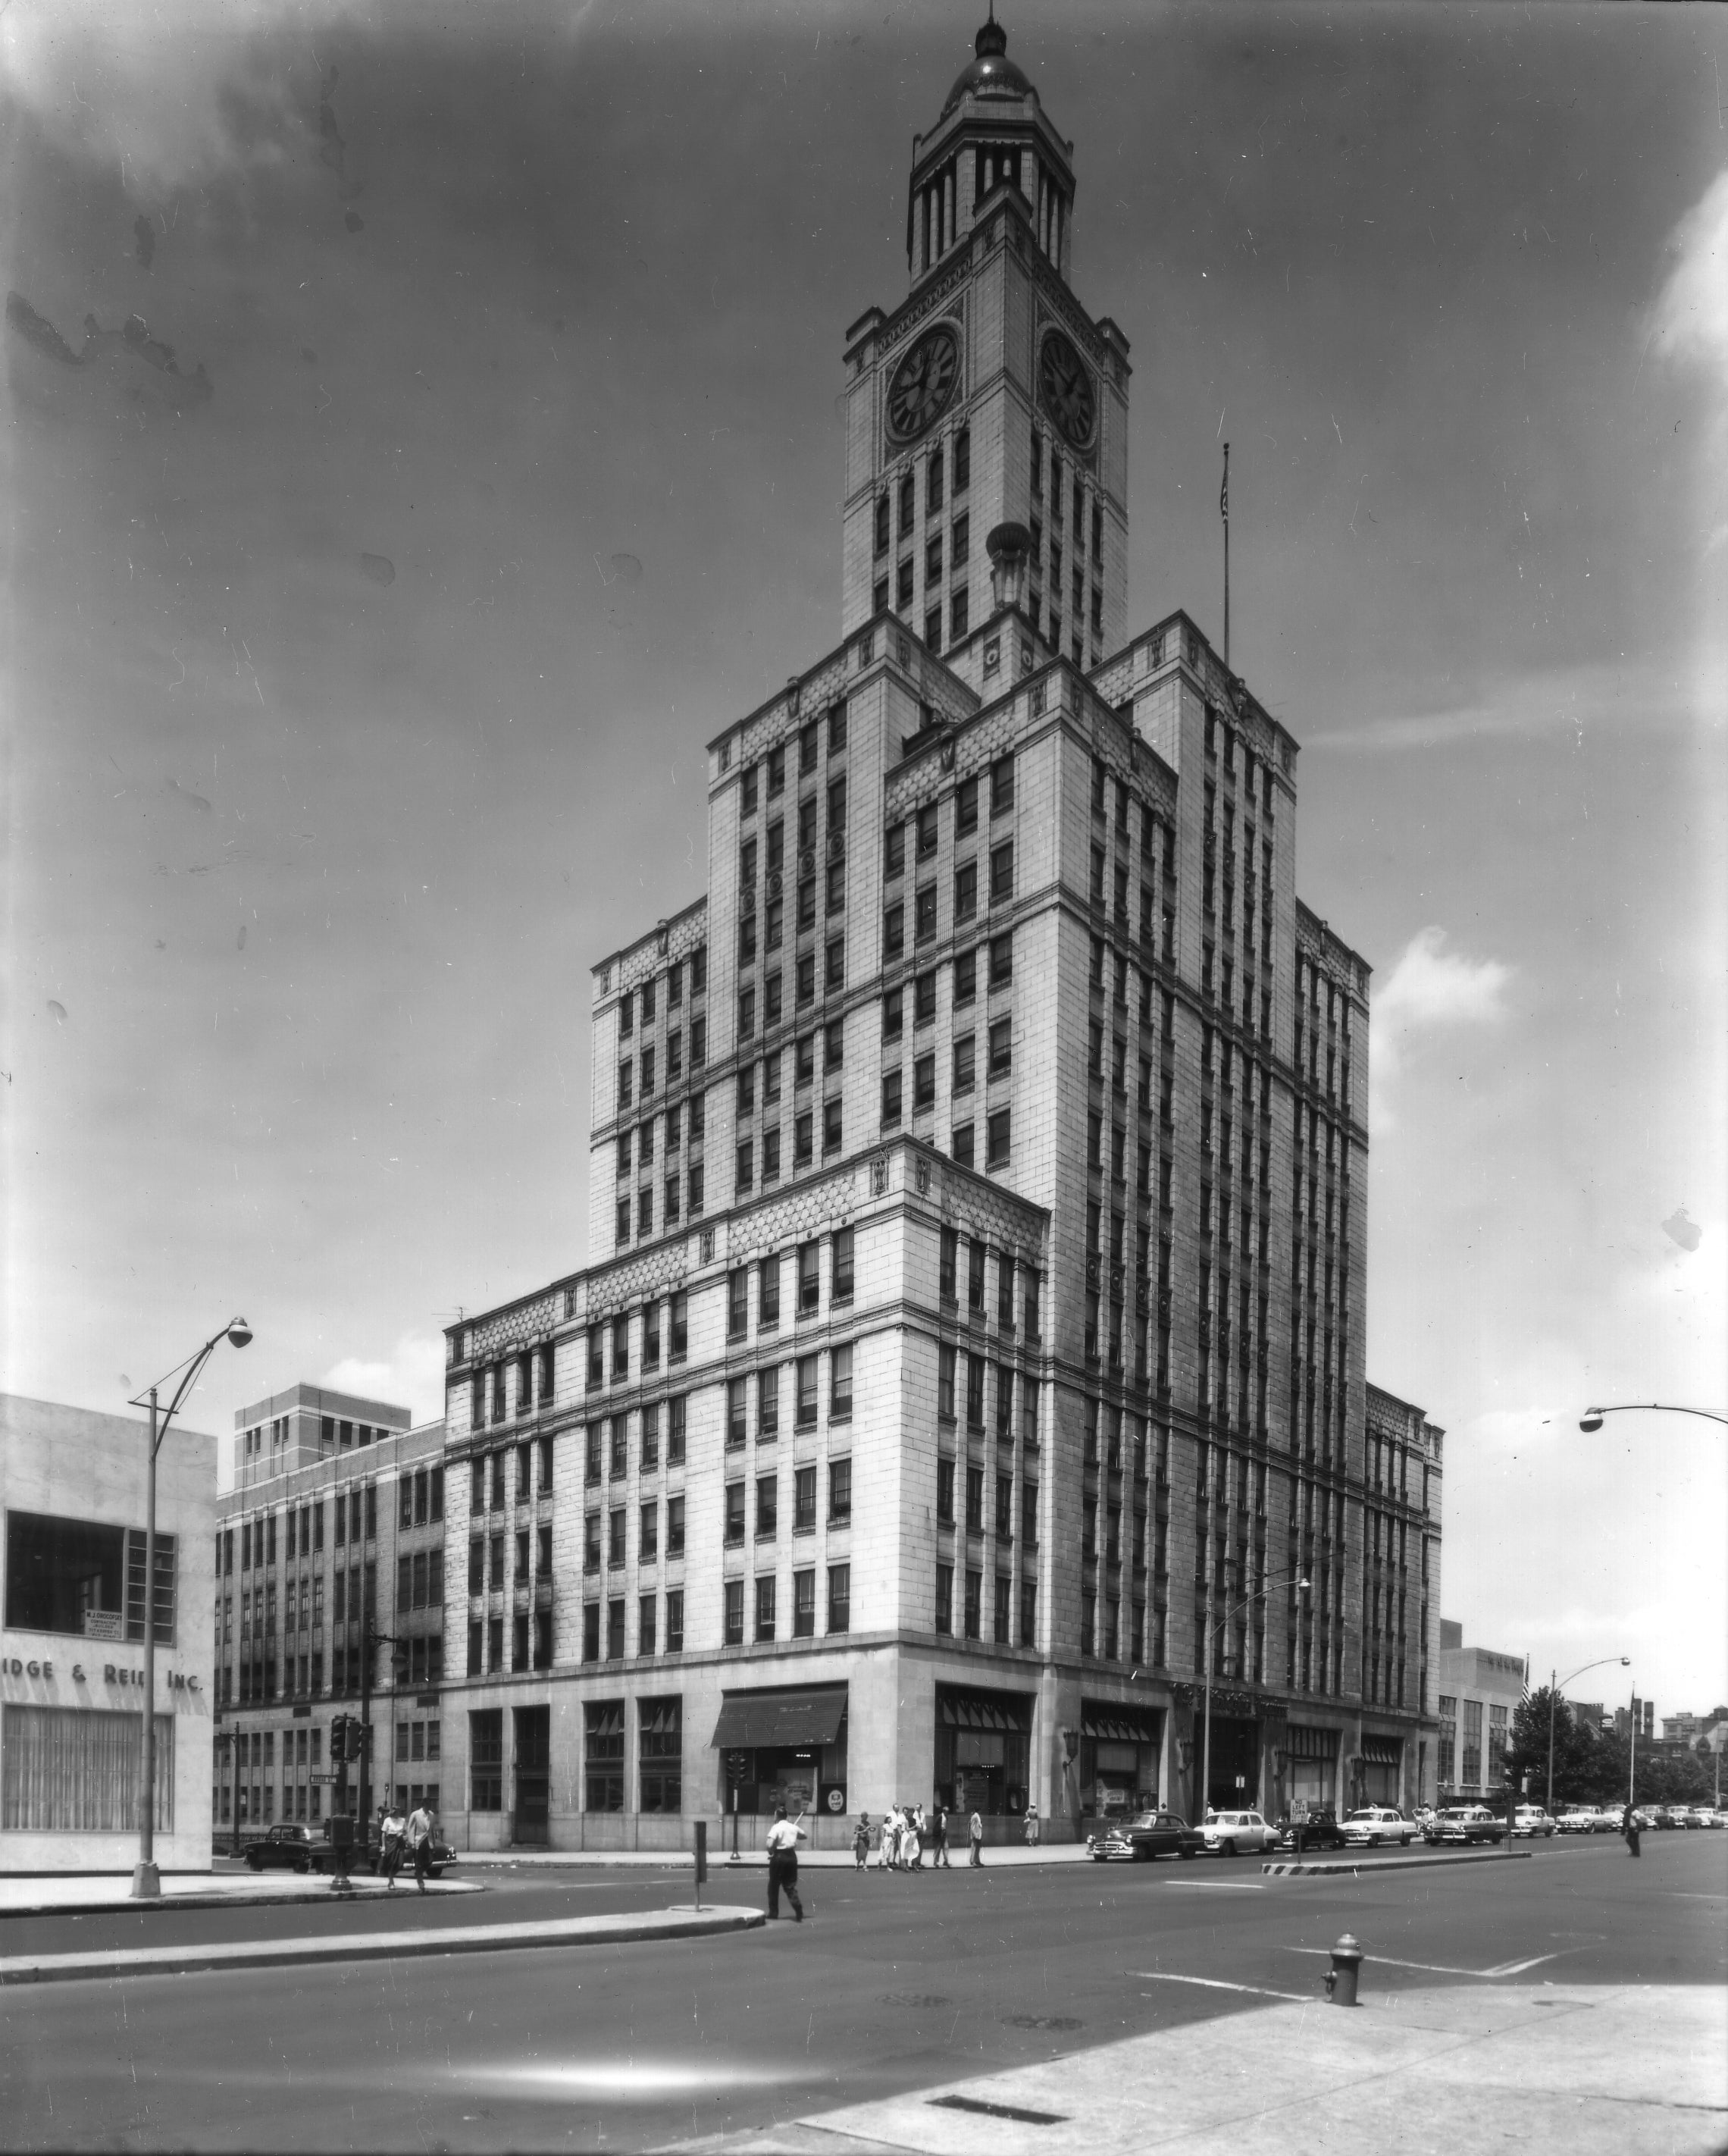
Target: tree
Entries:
(1576, 1768)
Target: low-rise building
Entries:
(1479, 1691)
(71, 1653)
(330, 1602)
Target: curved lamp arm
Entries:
(1593, 1416)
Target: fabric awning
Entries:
(1381, 1751)
(1309, 1744)
(1123, 1727)
(751, 1721)
(1004, 1712)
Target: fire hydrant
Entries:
(1341, 1977)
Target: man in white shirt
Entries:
(420, 1832)
(783, 1838)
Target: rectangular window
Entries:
(765, 1599)
(675, 1526)
(831, 1126)
(945, 1493)
(1002, 873)
(996, 1131)
(840, 1384)
(807, 1392)
(965, 894)
(945, 1597)
(767, 1507)
(924, 915)
(78, 1770)
(945, 1382)
(894, 933)
(604, 1750)
(803, 1605)
(1001, 786)
(839, 1598)
(615, 1629)
(965, 1063)
(680, 1326)
(839, 1492)
(737, 1428)
(809, 1278)
(1002, 961)
(924, 1084)
(735, 1612)
(485, 1759)
(734, 1513)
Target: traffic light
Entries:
(344, 1739)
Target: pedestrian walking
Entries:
(1030, 1827)
(884, 1842)
(975, 1837)
(1630, 1828)
(861, 1841)
(939, 1840)
(912, 1843)
(783, 1838)
(392, 1827)
(420, 1840)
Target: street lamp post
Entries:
(1592, 1419)
(1211, 1632)
(146, 1880)
(1625, 1662)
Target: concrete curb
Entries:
(124, 1906)
(1397, 1863)
(377, 1946)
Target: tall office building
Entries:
(976, 1359)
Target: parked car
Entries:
(286, 1848)
(1320, 1831)
(1234, 1834)
(1373, 1824)
(1146, 1835)
(1578, 1819)
(1529, 1821)
(1705, 1816)
(1464, 1823)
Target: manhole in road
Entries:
(1041, 2021)
(919, 1998)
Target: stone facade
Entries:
(335, 1527)
(1001, 982)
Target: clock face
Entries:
(1065, 384)
(922, 384)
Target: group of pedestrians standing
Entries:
(905, 1833)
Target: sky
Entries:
(422, 434)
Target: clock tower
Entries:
(987, 437)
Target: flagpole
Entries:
(1224, 511)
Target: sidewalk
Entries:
(1622, 2071)
(375, 1946)
(50, 1894)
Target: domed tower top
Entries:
(993, 74)
(992, 134)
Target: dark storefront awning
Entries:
(755, 1721)
(1309, 1744)
(1118, 1725)
(1007, 1711)
(1382, 1751)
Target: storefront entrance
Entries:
(1234, 1782)
(1119, 1759)
(1313, 1770)
(1382, 1759)
(982, 1752)
(783, 1747)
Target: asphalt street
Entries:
(895, 1983)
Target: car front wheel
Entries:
(1188, 1853)
(253, 1863)
(1226, 1849)
(303, 1865)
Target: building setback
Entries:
(333, 1530)
(982, 1167)
(1478, 1693)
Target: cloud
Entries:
(1429, 990)
(413, 1376)
(1567, 700)
(1690, 320)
